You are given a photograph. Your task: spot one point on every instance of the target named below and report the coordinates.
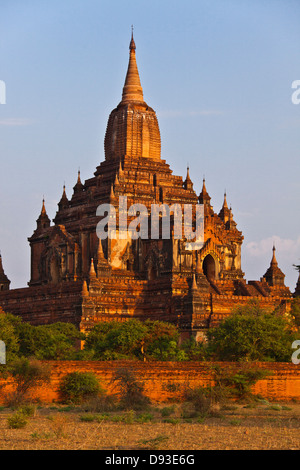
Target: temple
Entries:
(80, 278)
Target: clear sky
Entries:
(217, 72)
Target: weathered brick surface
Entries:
(44, 304)
(167, 380)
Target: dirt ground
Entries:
(263, 426)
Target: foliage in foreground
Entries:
(77, 387)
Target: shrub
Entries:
(236, 384)
(17, 421)
(131, 391)
(99, 404)
(167, 411)
(76, 387)
(28, 375)
(198, 402)
(27, 410)
(88, 418)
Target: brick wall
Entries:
(167, 380)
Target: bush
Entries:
(17, 421)
(236, 383)
(76, 387)
(28, 375)
(27, 410)
(198, 402)
(203, 401)
(100, 404)
(131, 391)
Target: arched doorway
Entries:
(209, 267)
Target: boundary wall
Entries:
(166, 381)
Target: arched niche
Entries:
(210, 267)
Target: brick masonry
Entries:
(165, 381)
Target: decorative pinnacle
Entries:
(100, 254)
(132, 43)
(225, 201)
(92, 269)
(274, 260)
(132, 90)
(85, 291)
(194, 284)
(43, 211)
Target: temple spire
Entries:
(132, 90)
(204, 197)
(225, 213)
(64, 201)
(188, 182)
(194, 283)
(274, 260)
(43, 221)
(43, 211)
(100, 254)
(84, 291)
(274, 276)
(78, 186)
(225, 206)
(92, 272)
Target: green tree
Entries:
(252, 334)
(56, 341)
(134, 339)
(127, 337)
(116, 340)
(161, 341)
(195, 350)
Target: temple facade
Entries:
(81, 278)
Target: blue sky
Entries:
(217, 72)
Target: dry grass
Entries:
(263, 426)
